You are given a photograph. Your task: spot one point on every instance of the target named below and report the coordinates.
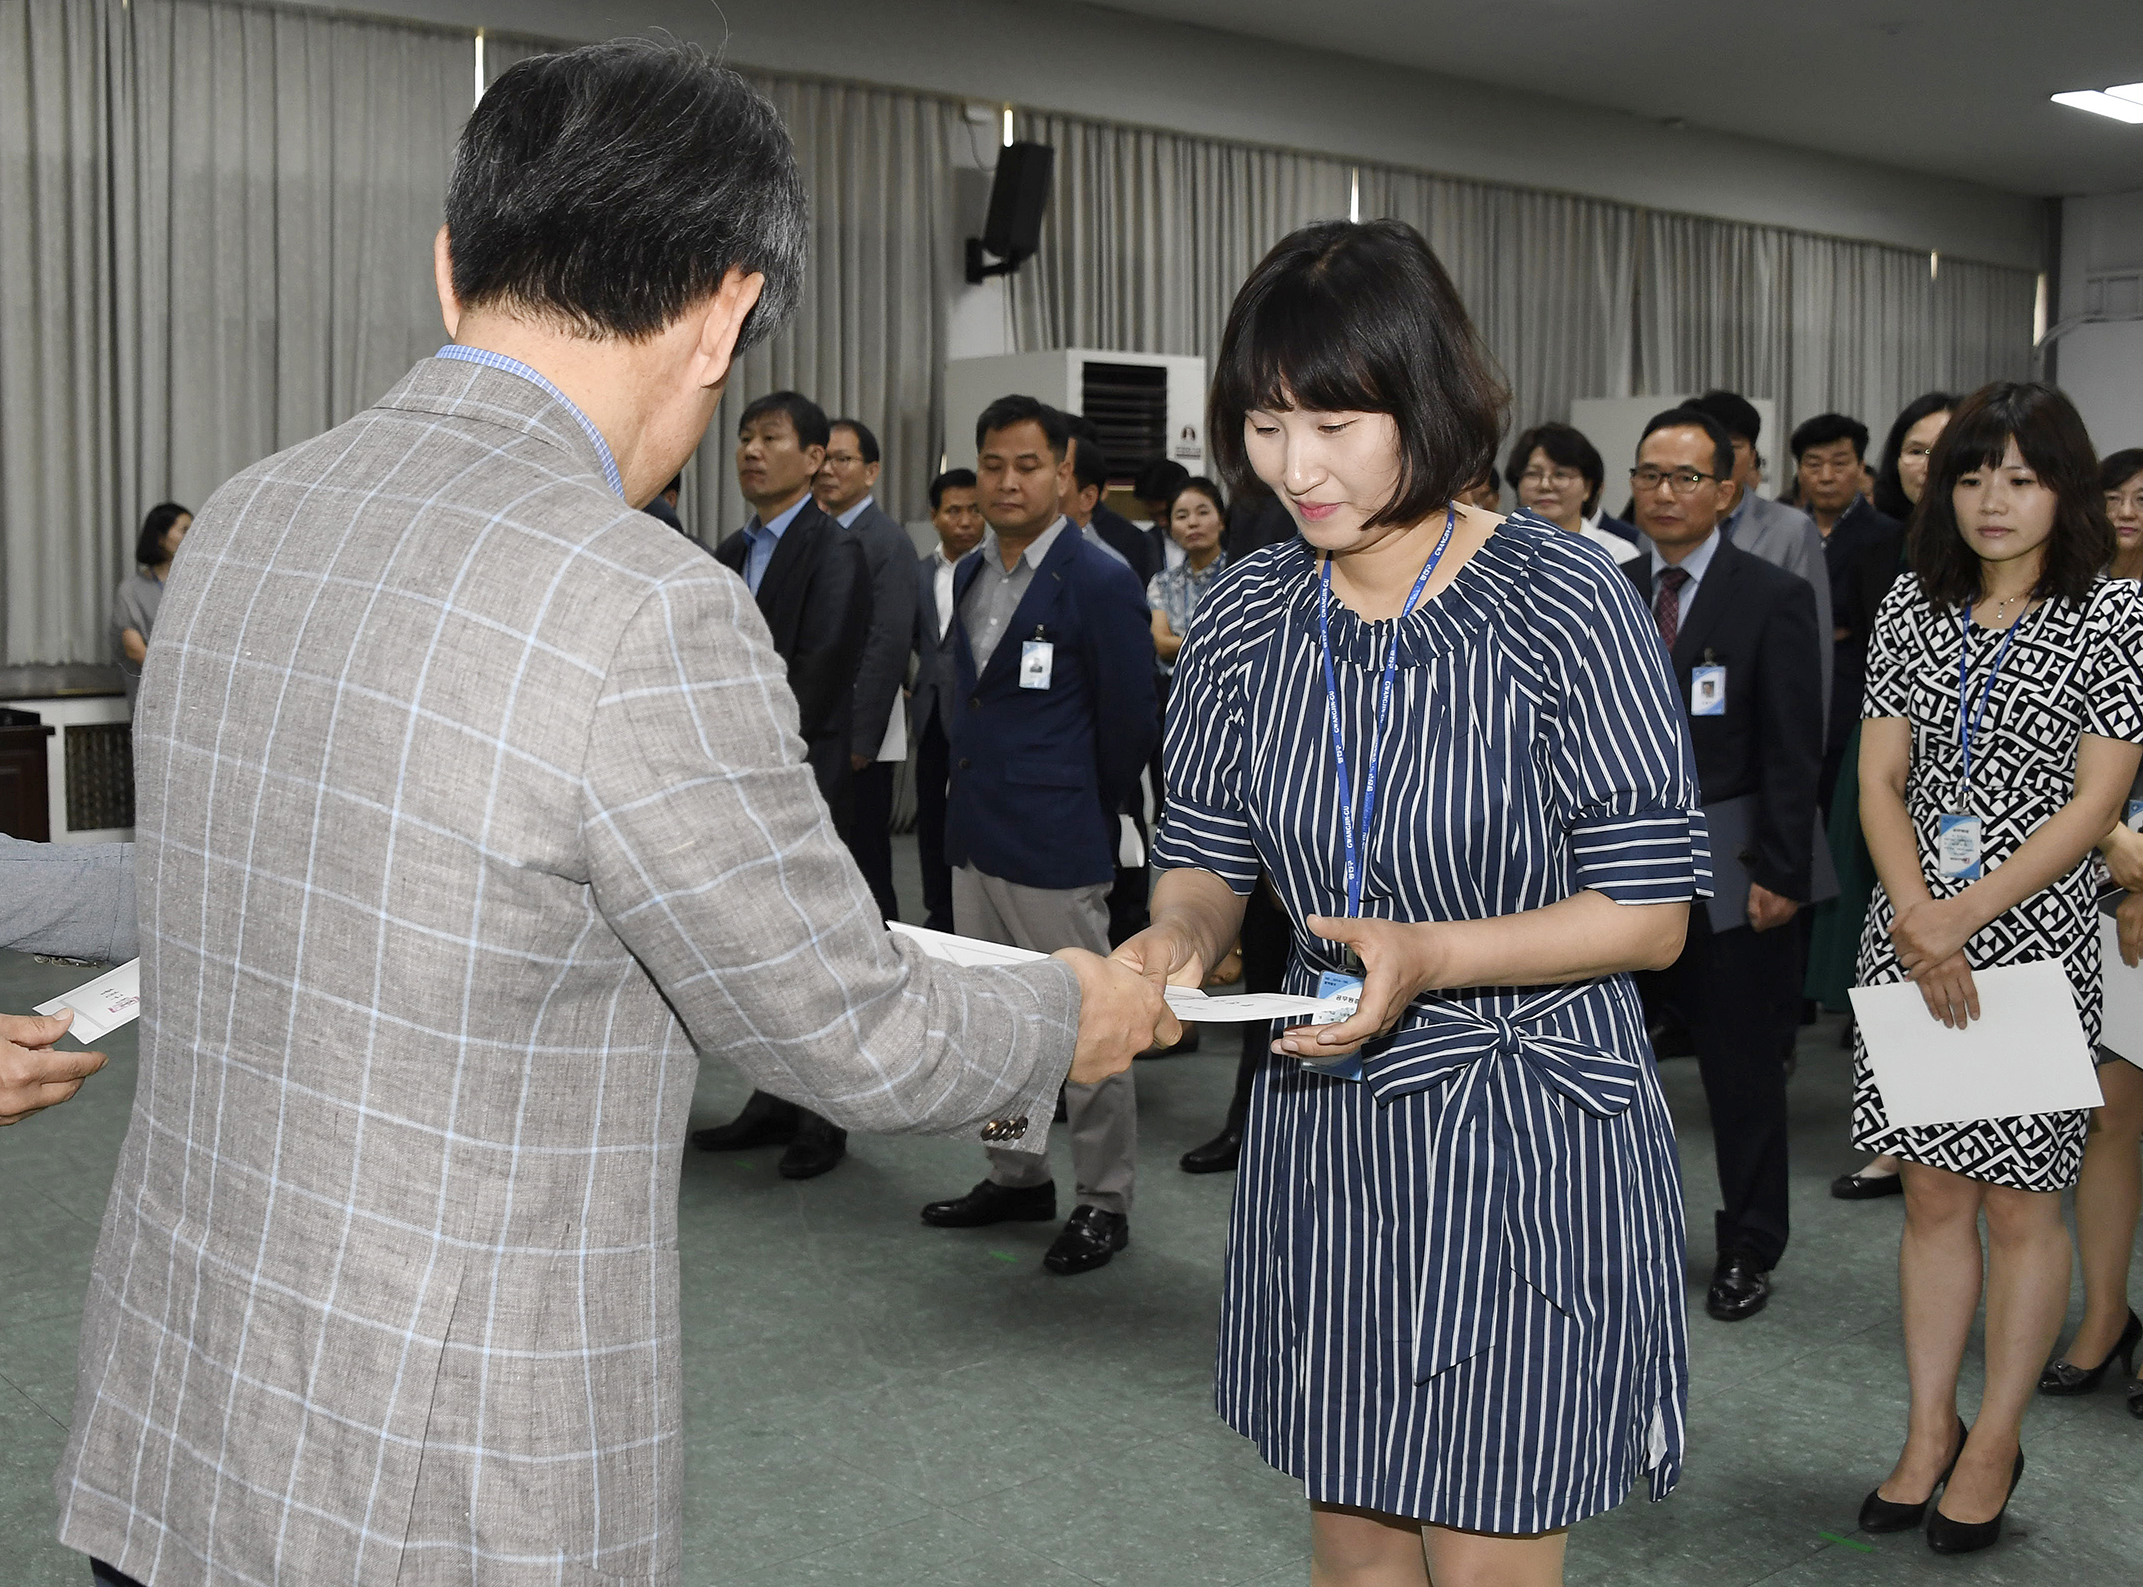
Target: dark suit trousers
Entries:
(869, 833)
(1733, 989)
(1267, 937)
(933, 773)
(104, 1573)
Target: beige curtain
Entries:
(1547, 277)
(868, 339)
(217, 243)
(1149, 234)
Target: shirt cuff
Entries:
(1655, 856)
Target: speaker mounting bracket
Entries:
(978, 272)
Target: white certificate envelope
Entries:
(1186, 1003)
(103, 1005)
(2123, 1031)
(2025, 1053)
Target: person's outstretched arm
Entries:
(713, 858)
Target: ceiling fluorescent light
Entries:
(2132, 92)
(2103, 105)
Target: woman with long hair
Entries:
(2002, 724)
(2110, 1192)
(1453, 1305)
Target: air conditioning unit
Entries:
(1146, 405)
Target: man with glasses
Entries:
(1783, 536)
(1742, 639)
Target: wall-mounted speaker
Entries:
(1018, 196)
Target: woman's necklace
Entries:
(2001, 608)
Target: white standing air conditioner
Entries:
(1147, 405)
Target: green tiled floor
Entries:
(872, 1401)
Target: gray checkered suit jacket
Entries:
(470, 802)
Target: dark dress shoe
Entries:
(1217, 1156)
(2065, 1377)
(765, 1121)
(819, 1146)
(1878, 1514)
(1089, 1238)
(990, 1202)
(1739, 1288)
(1866, 1187)
(1945, 1536)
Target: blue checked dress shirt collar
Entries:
(514, 366)
(761, 538)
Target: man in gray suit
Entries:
(846, 488)
(472, 813)
(1783, 536)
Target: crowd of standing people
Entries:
(1529, 796)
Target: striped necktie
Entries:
(1667, 604)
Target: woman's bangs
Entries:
(1302, 355)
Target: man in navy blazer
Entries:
(1053, 716)
(1741, 637)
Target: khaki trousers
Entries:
(1102, 1120)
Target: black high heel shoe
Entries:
(1878, 1514)
(1946, 1536)
(2065, 1377)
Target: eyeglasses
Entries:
(1681, 480)
(1561, 479)
(1919, 454)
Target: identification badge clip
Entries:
(1707, 690)
(2133, 819)
(1960, 843)
(1037, 659)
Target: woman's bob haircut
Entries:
(1358, 317)
(2055, 446)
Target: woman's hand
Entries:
(2129, 917)
(1930, 931)
(1167, 954)
(2124, 857)
(1399, 962)
(1947, 986)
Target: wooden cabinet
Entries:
(25, 802)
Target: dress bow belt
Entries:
(1505, 1159)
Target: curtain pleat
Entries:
(215, 239)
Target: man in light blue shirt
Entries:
(760, 539)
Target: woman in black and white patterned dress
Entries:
(2006, 547)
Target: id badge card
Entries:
(2133, 819)
(1037, 657)
(1348, 988)
(1707, 691)
(1958, 844)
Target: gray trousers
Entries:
(1103, 1119)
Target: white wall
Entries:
(2100, 366)
(1083, 60)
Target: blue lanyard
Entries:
(1968, 720)
(1376, 742)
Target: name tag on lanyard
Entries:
(1960, 835)
(1355, 840)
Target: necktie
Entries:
(1667, 604)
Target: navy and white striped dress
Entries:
(1454, 1289)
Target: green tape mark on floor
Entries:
(1847, 1542)
(1004, 1256)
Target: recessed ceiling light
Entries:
(2128, 110)
(2133, 91)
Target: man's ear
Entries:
(1733, 498)
(720, 325)
(443, 279)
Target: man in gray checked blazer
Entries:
(471, 803)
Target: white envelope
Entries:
(2025, 1053)
(103, 1005)
(1186, 1003)
(2123, 1031)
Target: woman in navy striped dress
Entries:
(1454, 1293)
